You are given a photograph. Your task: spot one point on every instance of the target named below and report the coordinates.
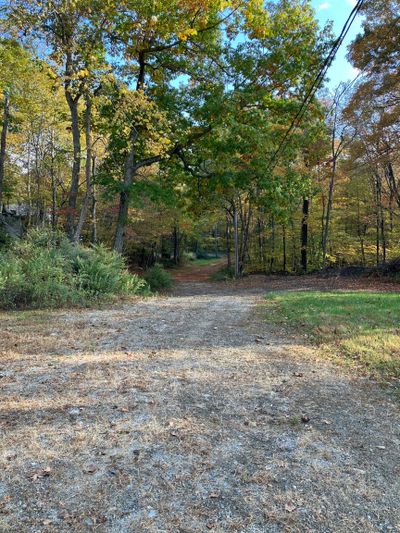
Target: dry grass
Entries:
(184, 414)
(356, 328)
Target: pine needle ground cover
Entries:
(361, 329)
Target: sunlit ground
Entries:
(361, 328)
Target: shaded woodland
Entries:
(161, 130)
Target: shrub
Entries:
(202, 255)
(189, 256)
(5, 239)
(224, 274)
(158, 278)
(46, 270)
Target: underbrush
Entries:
(46, 270)
(158, 278)
(224, 274)
(360, 329)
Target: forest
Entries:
(199, 266)
(169, 129)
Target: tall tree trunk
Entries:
(393, 185)
(88, 169)
(245, 219)
(272, 258)
(362, 248)
(128, 170)
(216, 241)
(175, 236)
(3, 145)
(391, 213)
(295, 264)
(38, 175)
(53, 189)
(261, 247)
(284, 247)
(381, 243)
(76, 165)
(236, 240)
(378, 252)
(124, 194)
(94, 205)
(381, 215)
(361, 230)
(228, 241)
(328, 212)
(377, 220)
(304, 235)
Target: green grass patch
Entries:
(360, 328)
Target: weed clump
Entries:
(158, 278)
(46, 270)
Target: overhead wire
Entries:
(316, 82)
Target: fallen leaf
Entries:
(44, 472)
(290, 507)
(90, 469)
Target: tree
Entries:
(160, 41)
(238, 162)
(341, 136)
(14, 76)
(73, 32)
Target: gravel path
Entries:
(188, 414)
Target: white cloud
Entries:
(352, 2)
(324, 5)
(353, 72)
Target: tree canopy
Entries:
(114, 113)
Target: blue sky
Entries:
(338, 11)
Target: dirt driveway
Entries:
(185, 414)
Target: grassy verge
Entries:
(361, 329)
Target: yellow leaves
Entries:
(257, 19)
(186, 34)
(51, 74)
(83, 73)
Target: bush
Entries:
(189, 256)
(224, 274)
(158, 278)
(5, 238)
(203, 255)
(47, 270)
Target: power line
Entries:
(348, 85)
(317, 81)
